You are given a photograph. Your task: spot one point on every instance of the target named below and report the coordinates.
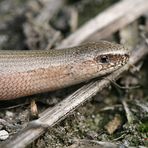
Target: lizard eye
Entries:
(104, 59)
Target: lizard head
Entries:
(110, 56)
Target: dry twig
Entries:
(109, 21)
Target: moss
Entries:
(143, 127)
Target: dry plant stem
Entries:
(108, 21)
(129, 115)
(49, 11)
(143, 106)
(52, 116)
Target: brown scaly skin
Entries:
(24, 73)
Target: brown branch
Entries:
(109, 21)
(52, 116)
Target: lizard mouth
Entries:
(113, 61)
(119, 59)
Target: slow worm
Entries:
(24, 73)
